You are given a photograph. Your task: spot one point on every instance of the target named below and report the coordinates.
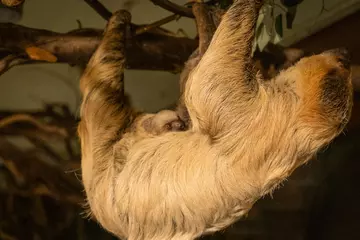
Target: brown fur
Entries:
(274, 58)
(246, 136)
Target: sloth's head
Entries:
(322, 93)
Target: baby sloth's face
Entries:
(323, 90)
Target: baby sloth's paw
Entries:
(164, 121)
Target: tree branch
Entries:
(99, 8)
(106, 14)
(205, 26)
(174, 8)
(37, 123)
(152, 50)
(147, 28)
(40, 178)
(58, 126)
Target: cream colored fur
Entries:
(246, 137)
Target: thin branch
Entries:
(42, 190)
(29, 119)
(99, 8)
(40, 178)
(174, 8)
(146, 28)
(106, 14)
(56, 115)
(323, 8)
(63, 122)
(47, 150)
(12, 60)
(17, 175)
(205, 26)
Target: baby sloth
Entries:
(144, 181)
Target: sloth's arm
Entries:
(206, 29)
(225, 78)
(105, 111)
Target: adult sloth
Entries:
(246, 135)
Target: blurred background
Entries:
(40, 190)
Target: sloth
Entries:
(147, 177)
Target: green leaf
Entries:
(259, 30)
(290, 16)
(279, 25)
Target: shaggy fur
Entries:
(246, 136)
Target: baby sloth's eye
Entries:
(176, 125)
(168, 126)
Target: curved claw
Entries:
(118, 18)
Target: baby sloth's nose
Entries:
(342, 55)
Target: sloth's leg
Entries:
(206, 29)
(224, 84)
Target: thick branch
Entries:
(151, 50)
(174, 8)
